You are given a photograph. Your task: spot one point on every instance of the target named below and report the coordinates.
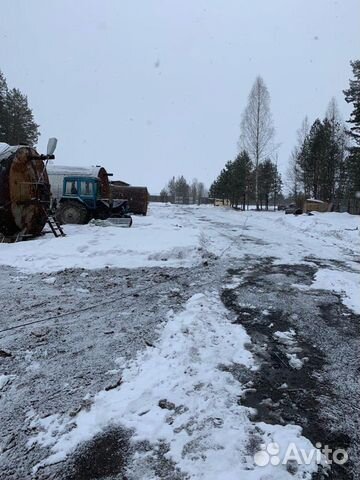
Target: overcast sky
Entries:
(152, 88)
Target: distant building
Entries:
(120, 183)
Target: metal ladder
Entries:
(55, 226)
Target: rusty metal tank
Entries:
(24, 191)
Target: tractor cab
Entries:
(85, 189)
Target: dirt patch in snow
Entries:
(103, 456)
(312, 395)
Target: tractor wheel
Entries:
(72, 212)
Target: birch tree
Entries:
(257, 130)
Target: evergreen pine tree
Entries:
(21, 127)
(337, 153)
(235, 182)
(269, 182)
(243, 178)
(182, 188)
(317, 171)
(352, 95)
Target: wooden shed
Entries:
(312, 205)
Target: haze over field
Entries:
(153, 89)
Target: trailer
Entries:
(137, 197)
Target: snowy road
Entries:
(176, 348)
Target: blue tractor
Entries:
(81, 201)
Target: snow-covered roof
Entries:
(53, 169)
(7, 150)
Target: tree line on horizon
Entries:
(17, 124)
(179, 190)
(324, 164)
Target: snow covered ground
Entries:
(176, 236)
(178, 389)
(172, 234)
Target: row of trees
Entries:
(240, 182)
(17, 125)
(319, 162)
(325, 163)
(179, 190)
